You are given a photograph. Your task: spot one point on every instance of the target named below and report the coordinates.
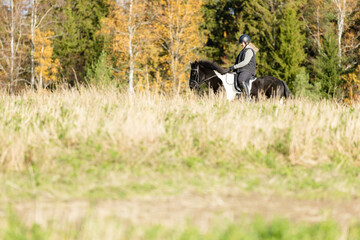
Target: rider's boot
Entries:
(246, 88)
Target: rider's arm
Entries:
(248, 56)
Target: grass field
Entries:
(99, 164)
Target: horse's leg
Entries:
(215, 88)
(215, 85)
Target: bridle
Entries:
(197, 77)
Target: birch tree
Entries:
(343, 7)
(127, 27)
(12, 47)
(37, 17)
(47, 68)
(313, 14)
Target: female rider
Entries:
(245, 65)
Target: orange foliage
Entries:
(161, 38)
(352, 86)
(177, 28)
(46, 68)
(128, 35)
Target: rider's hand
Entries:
(230, 69)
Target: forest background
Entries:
(147, 45)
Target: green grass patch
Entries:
(247, 229)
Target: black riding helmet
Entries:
(244, 38)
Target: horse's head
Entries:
(194, 81)
(204, 71)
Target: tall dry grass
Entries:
(37, 128)
(67, 157)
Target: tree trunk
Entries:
(32, 47)
(341, 6)
(318, 28)
(12, 47)
(40, 84)
(131, 53)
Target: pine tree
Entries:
(78, 45)
(303, 87)
(327, 67)
(289, 53)
(221, 27)
(259, 22)
(100, 74)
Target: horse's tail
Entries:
(287, 93)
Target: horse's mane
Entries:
(212, 66)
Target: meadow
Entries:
(101, 164)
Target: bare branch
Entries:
(42, 18)
(3, 69)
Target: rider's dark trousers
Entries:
(242, 77)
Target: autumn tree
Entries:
(316, 18)
(351, 39)
(352, 86)
(177, 32)
(343, 8)
(352, 45)
(127, 28)
(39, 21)
(46, 68)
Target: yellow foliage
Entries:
(352, 85)
(123, 28)
(164, 37)
(46, 68)
(178, 37)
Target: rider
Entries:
(245, 65)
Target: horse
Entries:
(204, 71)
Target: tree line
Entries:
(142, 45)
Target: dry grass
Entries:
(36, 126)
(92, 150)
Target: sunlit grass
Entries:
(102, 145)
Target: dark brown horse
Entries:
(216, 76)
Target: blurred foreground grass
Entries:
(255, 229)
(101, 145)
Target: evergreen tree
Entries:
(100, 74)
(303, 87)
(289, 53)
(221, 27)
(327, 67)
(258, 20)
(78, 46)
